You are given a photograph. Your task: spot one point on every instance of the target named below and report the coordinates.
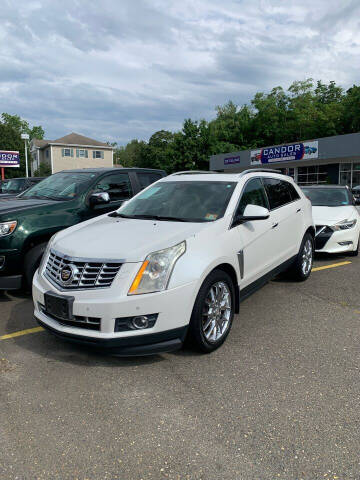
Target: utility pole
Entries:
(25, 137)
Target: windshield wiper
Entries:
(150, 217)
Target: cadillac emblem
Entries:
(66, 274)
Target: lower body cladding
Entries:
(121, 325)
(10, 268)
(329, 241)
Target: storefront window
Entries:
(350, 174)
(313, 174)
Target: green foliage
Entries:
(302, 112)
(11, 128)
(43, 171)
(22, 126)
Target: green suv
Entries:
(28, 221)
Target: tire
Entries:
(222, 315)
(32, 262)
(355, 253)
(301, 268)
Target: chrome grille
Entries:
(84, 273)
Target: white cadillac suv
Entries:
(174, 262)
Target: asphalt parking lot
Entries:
(280, 399)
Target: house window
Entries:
(67, 152)
(98, 154)
(47, 153)
(81, 153)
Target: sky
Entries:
(115, 70)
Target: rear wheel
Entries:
(213, 312)
(302, 266)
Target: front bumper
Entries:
(174, 308)
(12, 282)
(11, 269)
(330, 241)
(150, 344)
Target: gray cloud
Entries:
(118, 70)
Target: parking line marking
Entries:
(21, 332)
(333, 265)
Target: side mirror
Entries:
(251, 213)
(357, 200)
(99, 198)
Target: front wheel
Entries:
(213, 312)
(302, 266)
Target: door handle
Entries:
(274, 225)
(298, 210)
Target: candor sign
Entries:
(285, 153)
(9, 158)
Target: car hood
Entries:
(15, 204)
(124, 239)
(8, 195)
(332, 215)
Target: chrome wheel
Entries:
(307, 257)
(216, 313)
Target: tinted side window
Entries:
(294, 194)
(118, 186)
(147, 178)
(253, 194)
(278, 192)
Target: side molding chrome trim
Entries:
(241, 263)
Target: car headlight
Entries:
(155, 272)
(344, 225)
(7, 228)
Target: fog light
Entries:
(345, 243)
(140, 322)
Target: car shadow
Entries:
(55, 349)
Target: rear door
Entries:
(286, 216)
(256, 256)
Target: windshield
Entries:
(329, 197)
(188, 201)
(13, 186)
(60, 186)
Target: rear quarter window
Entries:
(278, 192)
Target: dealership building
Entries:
(333, 160)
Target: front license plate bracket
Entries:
(59, 306)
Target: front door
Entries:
(256, 255)
(119, 188)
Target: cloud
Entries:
(120, 70)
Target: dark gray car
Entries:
(12, 187)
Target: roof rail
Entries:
(190, 172)
(266, 170)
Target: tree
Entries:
(351, 112)
(22, 126)
(11, 128)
